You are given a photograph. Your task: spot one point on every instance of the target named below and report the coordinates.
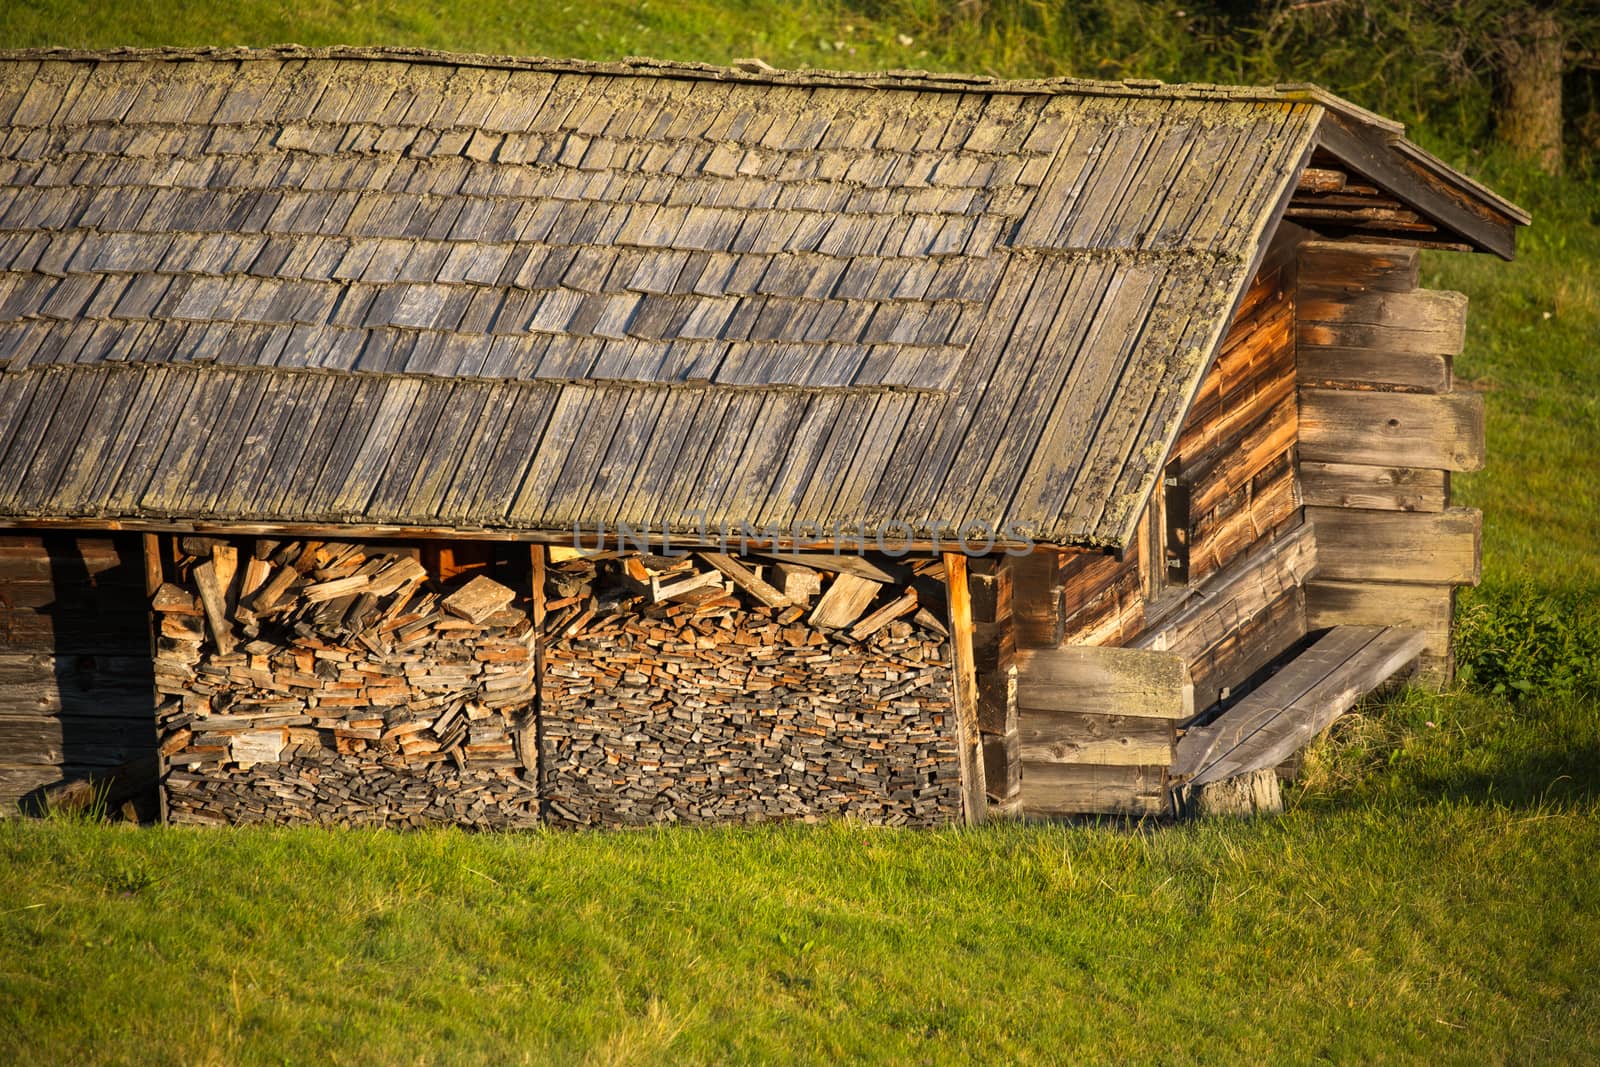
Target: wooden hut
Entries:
(394, 437)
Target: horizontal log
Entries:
(1348, 485)
(1429, 608)
(1392, 429)
(52, 557)
(1104, 681)
(1321, 180)
(1427, 548)
(1111, 740)
(1391, 268)
(74, 630)
(1424, 321)
(97, 742)
(1426, 372)
(1053, 790)
(95, 686)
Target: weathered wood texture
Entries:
(1381, 430)
(1105, 681)
(1437, 432)
(992, 582)
(1428, 608)
(1057, 790)
(358, 692)
(76, 686)
(1252, 793)
(717, 708)
(1242, 618)
(1235, 450)
(524, 314)
(1096, 728)
(1277, 719)
(1351, 485)
(1428, 548)
(969, 743)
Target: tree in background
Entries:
(1516, 57)
(1523, 72)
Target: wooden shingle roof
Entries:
(396, 288)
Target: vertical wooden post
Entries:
(154, 575)
(537, 556)
(974, 803)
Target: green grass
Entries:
(1454, 930)
(1430, 895)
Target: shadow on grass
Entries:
(1417, 747)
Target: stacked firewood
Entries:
(332, 683)
(707, 688)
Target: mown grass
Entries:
(1429, 895)
(1454, 929)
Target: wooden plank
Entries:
(1437, 313)
(1201, 746)
(968, 740)
(1055, 790)
(50, 739)
(1111, 740)
(1370, 153)
(842, 603)
(1428, 372)
(72, 686)
(905, 604)
(1392, 429)
(1036, 608)
(1359, 265)
(153, 578)
(1429, 608)
(1325, 695)
(844, 563)
(1429, 548)
(1104, 681)
(746, 579)
(537, 556)
(213, 597)
(1347, 485)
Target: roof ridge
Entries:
(752, 72)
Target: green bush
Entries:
(1525, 639)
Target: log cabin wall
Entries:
(76, 686)
(1383, 427)
(1233, 474)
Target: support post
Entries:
(974, 804)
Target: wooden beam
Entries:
(1054, 790)
(1347, 485)
(968, 741)
(1428, 548)
(153, 577)
(746, 579)
(1346, 265)
(1111, 740)
(1423, 321)
(1422, 371)
(1297, 703)
(1392, 429)
(1104, 681)
(1374, 155)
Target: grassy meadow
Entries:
(1431, 894)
